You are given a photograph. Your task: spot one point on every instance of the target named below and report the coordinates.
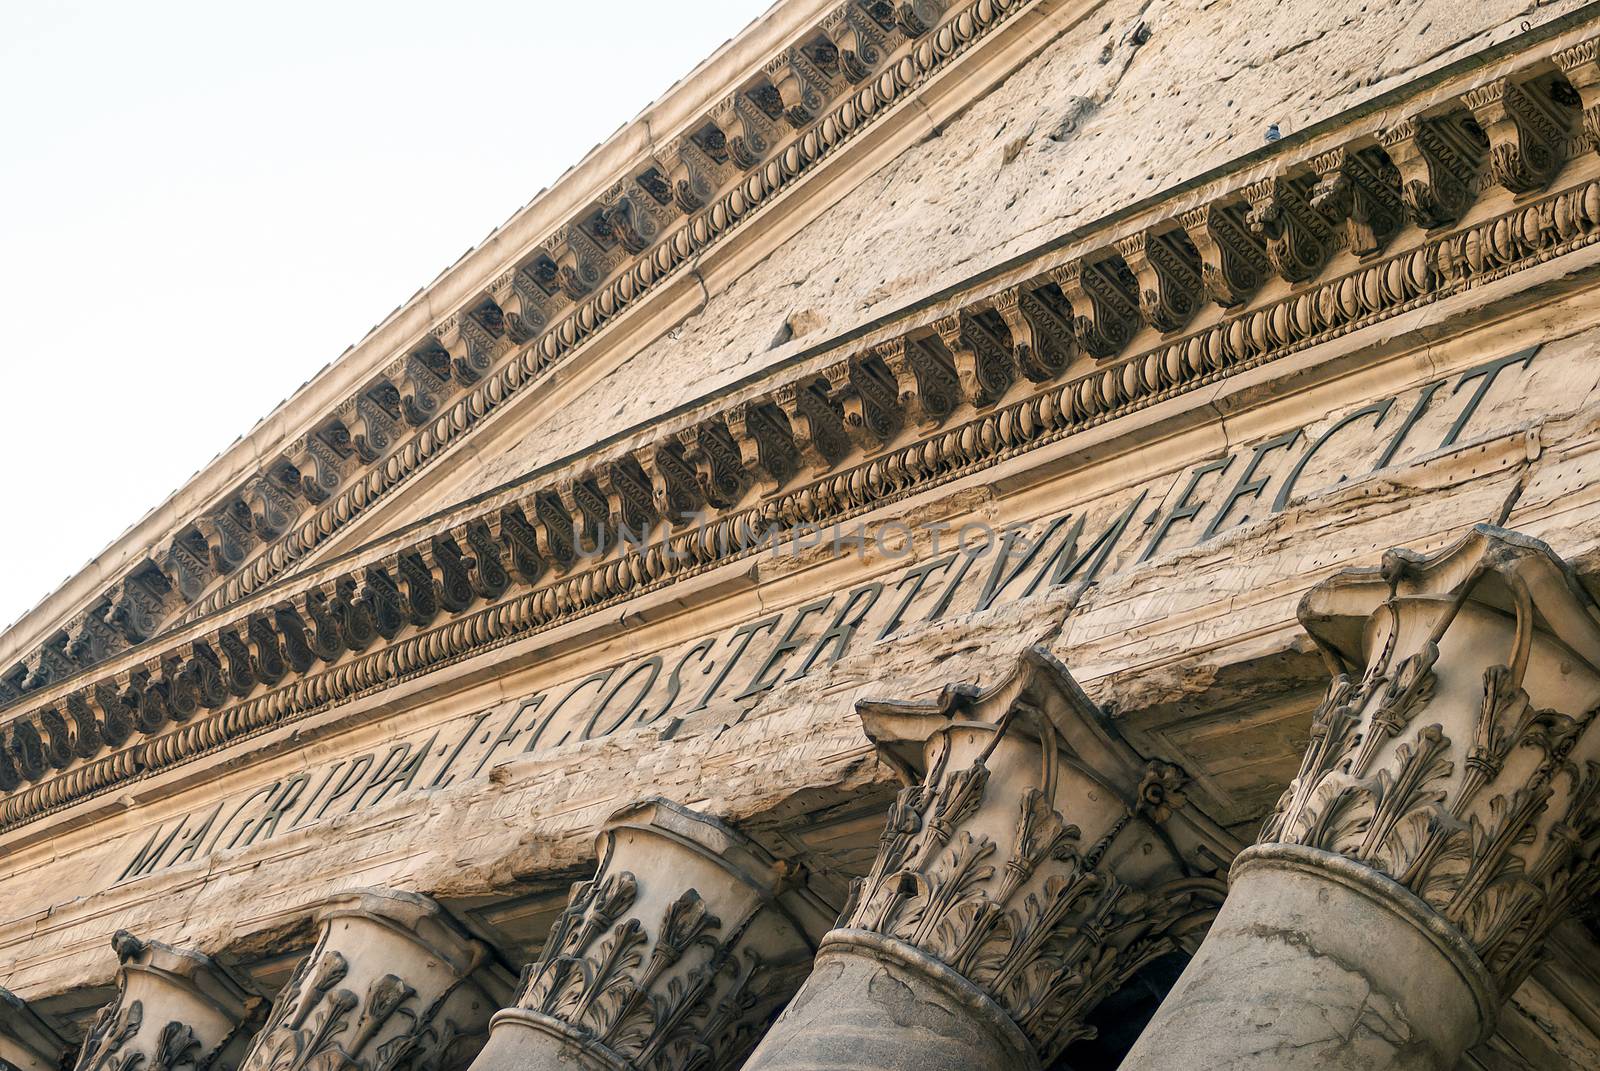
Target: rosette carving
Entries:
(393, 983)
(1437, 160)
(673, 957)
(1032, 865)
(174, 1009)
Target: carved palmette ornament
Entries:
(27, 1042)
(393, 983)
(1454, 751)
(673, 957)
(1033, 854)
(175, 1009)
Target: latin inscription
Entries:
(967, 569)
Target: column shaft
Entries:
(676, 955)
(1446, 817)
(1033, 864)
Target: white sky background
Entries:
(201, 204)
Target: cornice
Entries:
(925, 400)
(729, 139)
(914, 405)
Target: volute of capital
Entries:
(417, 919)
(1455, 750)
(745, 862)
(1041, 698)
(1033, 852)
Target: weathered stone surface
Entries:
(1182, 520)
(676, 953)
(1301, 971)
(1130, 99)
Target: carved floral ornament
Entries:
(175, 1010)
(674, 957)
(887, 421)
(1455, 750)
(1033, 854)
(393, 983)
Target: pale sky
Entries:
(201, 204)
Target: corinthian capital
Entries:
(675, 955)
(1446, 817)
(174, 1008)
(1453, 752)
(392, 982)
(1032, 865)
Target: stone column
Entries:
(393, 981)
(1032, 866)
(676, 955)
(27, 1042)
(174, 1008)
(1446, 816)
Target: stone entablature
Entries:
(847, 420)
(963, 570)
(677, 198)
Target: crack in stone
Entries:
(1393, 1029)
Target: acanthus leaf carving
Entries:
(1040, 920)
(928, 384)
(1581, 64)
(801, 88)
(644, 970)
(1167, 268)
(1527, 132)
(175, 1010)
(1361, 189)
(1040, 324)
(675, 486)
(747, 131)
(1104, 298)
(392, 983)
(1298, 238)
(871, 400)
(817, 423)
(981, 354)
(719, 467)
(862, 42)
(1233, 259)
(1438, 160)
(1455, 803)
(766, 443)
